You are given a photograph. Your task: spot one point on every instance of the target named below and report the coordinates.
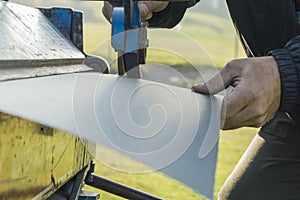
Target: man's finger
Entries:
(148, 7)
(235, 101)
(217, 83)
(155, 6)
(253, 114)
(145, 10)
(246, 117)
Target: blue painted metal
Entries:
(128, 35)
(136, 20)
(77, 30)
(118, 28)
(133, 35)
(68, 22)
(126, 39)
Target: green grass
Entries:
(214, 35)
(212, 43)
(231, 147)
(154, 183)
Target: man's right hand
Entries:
(256, 92)
(147, 8)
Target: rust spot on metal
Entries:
(4, 117)
(46, 131)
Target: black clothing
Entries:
(170, 16)
(288, 60)
(269, 169)
(265, 27)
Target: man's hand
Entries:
(146, 9)
(255, 96)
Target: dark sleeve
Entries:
(171, 15)
(264, 25)
(288, 60)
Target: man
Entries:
(266, 92)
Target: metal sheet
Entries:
(169, 128)
(30, 39)
(31, 46)
(12, 73)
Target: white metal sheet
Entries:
(168, 128)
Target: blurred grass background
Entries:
(208, 24)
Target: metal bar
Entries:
(127, 12)
(77, 185)
(119, 189)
